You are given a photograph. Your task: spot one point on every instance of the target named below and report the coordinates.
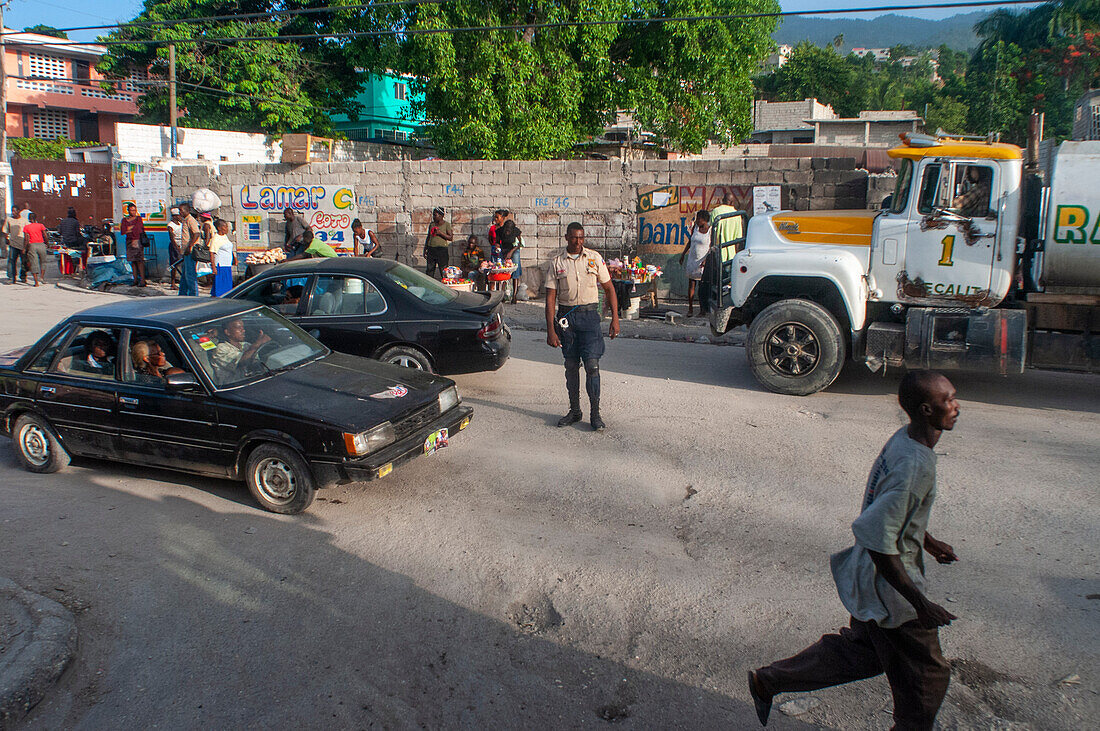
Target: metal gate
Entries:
(49, 187)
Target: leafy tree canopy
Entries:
(535, 92)
(252, 85)
(46, 30)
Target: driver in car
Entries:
(233, 353)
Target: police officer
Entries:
(573, 282)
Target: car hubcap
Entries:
(407, 361)
(275, 479)
(792, 349)
(35, 445)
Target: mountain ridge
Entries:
(885, 31)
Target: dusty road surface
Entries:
(534, 577)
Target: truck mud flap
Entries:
(990, 341)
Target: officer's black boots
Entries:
(573, 387)
(597, 422)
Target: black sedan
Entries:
(222, 388)
(378, 308)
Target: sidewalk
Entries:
(37, 642)
(532, 316)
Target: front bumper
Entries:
(381, 463)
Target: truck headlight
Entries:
(448, 399)
(369, 441)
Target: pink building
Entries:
(54, 90)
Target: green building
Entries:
(385, 111)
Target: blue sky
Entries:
(70, 13)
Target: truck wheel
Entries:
(36, 446)
(795, 347)
(279, 479)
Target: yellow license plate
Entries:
(435, 441)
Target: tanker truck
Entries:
(973, 263)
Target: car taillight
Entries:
(491, 328)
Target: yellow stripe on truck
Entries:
(831, 228)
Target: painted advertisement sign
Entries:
(329, 210)
(147, 188)
(665, 217)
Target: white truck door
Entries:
(951, 237)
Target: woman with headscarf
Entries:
(132, 229)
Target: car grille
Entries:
(416, 420)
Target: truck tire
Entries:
(795, 347)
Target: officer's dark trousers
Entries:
(909, 655)
(581, 343)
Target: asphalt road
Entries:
(529, 576)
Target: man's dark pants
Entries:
(581, 341)
(437, 256)
(909, 655)
(16, 262)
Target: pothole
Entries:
(534, 613)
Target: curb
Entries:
(118, 291)
(41, 645)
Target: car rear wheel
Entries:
(407, 358)
(36, 446)
(279, 479)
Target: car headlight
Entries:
(370, 440)
(448, 399)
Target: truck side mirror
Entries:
(887, 202)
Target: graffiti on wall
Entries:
(665, 217)
(329, 210)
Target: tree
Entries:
(820, 73)
(256, 85)
(536, 92)
(46, 30)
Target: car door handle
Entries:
(375, 327)
(49, 389)
(127, 401)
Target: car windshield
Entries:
(420, 285)
(242, 348)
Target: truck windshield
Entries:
(901, 191)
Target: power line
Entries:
(348, 35)
(250, 16)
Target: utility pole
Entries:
(4, 175)
(172, 97)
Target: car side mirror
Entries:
(181, 382)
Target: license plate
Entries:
(435, 441)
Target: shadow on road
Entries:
(201, 617)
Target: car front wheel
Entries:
(279, 479)
(36, 446)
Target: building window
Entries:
(49, 124)
(399, 91)
(48, 67)
(391, 135)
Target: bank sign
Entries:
(329, 210)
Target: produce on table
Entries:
(271, 256)
(633, 269)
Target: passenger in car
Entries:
(150, 363)
(233, 353)
(98, 357)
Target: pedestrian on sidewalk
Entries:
(175, 246)
(71, 237)
(17, 264)
(132, 229)
(34, 237)
(191, 235)
(225, 258)
(440, 236)
(696, 251)
(894, 626)
(573, 282)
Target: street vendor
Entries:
(573, 282)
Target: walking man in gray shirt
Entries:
(894, 626)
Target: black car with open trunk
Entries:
(222, 388)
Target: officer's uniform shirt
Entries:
(577, 280)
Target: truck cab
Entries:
(916, 283)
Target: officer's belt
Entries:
(567, 308)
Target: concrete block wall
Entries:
(396, 197)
